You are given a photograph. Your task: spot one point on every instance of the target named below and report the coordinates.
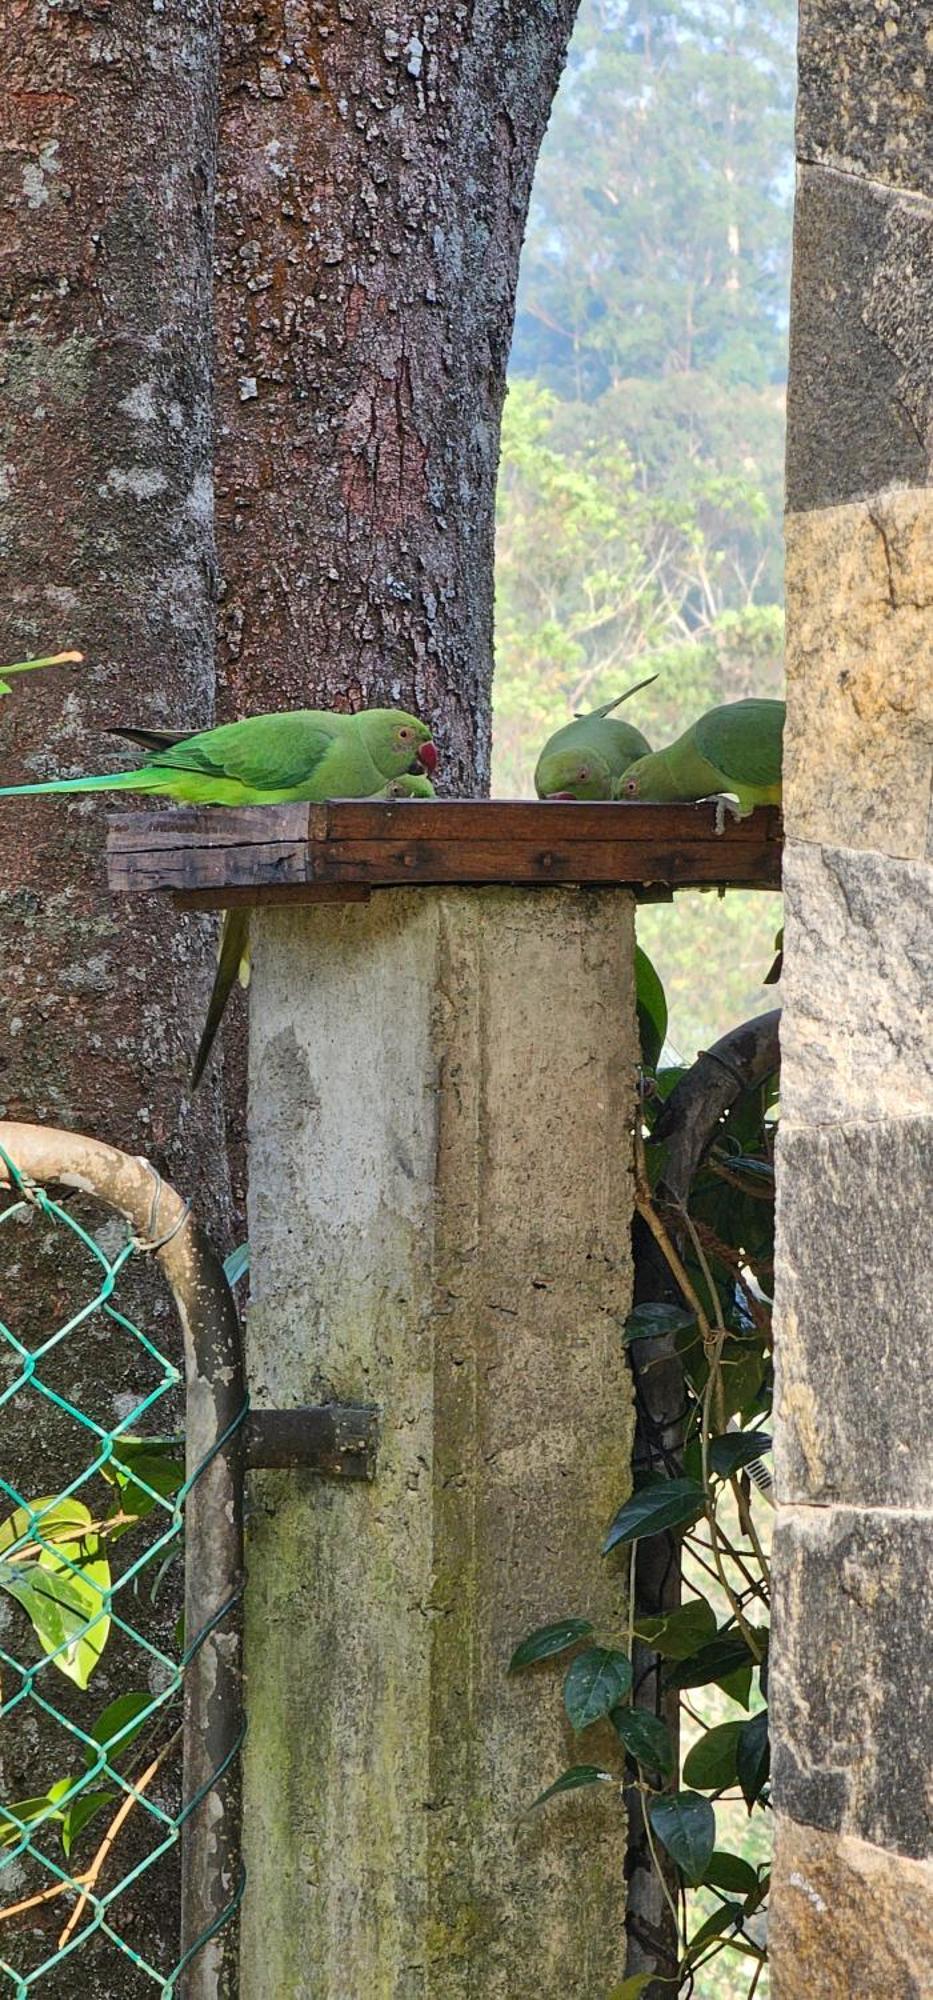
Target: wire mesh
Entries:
(85, 1579)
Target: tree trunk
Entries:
(375, 173)
(106, 170)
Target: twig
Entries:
(91, 1874)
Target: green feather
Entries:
(736, 748)
(588, 756)
(267, 760)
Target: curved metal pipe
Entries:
(216, 1400)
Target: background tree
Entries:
(641, 490)
(106, 171)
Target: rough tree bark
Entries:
(376, 164)
(106, 188)
(106, 162)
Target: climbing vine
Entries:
(675, 1706)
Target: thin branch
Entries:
(91, 1874)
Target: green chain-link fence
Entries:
(97, 1659)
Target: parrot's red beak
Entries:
(561, 795)
(427, 757)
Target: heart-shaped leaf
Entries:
(709, 1663)
(710, 1763)
(730, 1872)
(646, 1738)
(595, 1681)
(685, 1824)
(678, 1633)
(668, 1503)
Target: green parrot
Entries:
(585, 758)
(267, 759)
(26, 666)
(734, 749)
(233, 958)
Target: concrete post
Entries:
(441, 1088)
(850, 1687)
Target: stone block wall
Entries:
(852, 1711)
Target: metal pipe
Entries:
(216, 1399)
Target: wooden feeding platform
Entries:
(211, 858)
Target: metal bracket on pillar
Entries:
(337, 1440)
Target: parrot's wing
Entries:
(269, 753)
(234, 948)
(743, 740)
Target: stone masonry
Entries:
(852, 1710)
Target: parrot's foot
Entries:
(725, 803)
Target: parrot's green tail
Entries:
(116, 781)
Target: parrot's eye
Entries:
(632, 787)
(584, 770)
(405, 735)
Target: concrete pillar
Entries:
(850, 1688)
(441, 1088)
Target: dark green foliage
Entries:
(548, 1640)
(722, 1329)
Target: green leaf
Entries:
(646, 1738)
(26, 1810)
(710, 1763)
(594, 1682)
(678, 1633)
(753, 1757)
(64, 1590)
(119, 1724)
(730, 1872)
(651, 1008)
(237, 1264)
(743, 1365)
(670, 1503)
(737, 1448)
(140, 1463)
(630, 1989)
(647, 1321)
(47, 1520)
(548, 1640)
(728, 1917)
(737, 1685)
(573, 1781)
(721, 1656)
(685, 1824)
(80, 1813)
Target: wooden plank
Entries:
(532, 820)
(268, 853)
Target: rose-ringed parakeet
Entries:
(585, 759)
(233, 958)
(27, 666)
(733, 750)
(267, 759)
